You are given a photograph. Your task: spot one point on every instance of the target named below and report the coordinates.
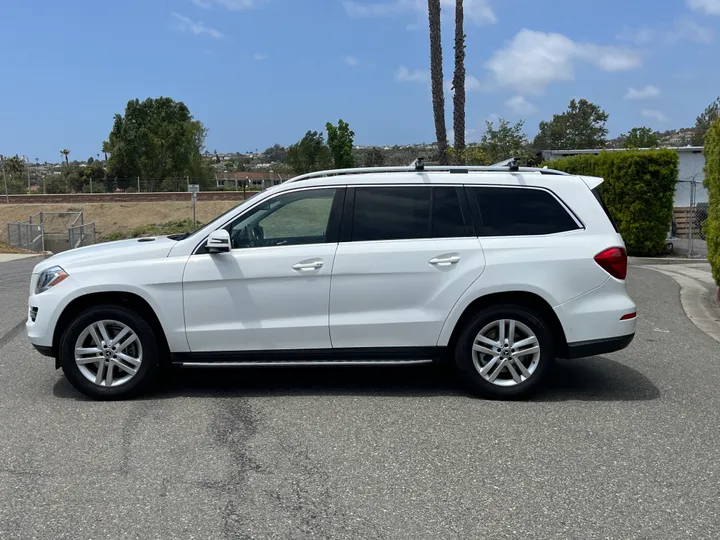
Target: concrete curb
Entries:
(643, 261)
(7, 257)
(699, 295)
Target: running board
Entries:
(392, 356)
(307, 364)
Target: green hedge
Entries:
(712, 183)
(639, 190)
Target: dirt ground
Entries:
(114, 217)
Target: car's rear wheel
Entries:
(504, 352)
(109, 352)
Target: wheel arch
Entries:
(129, 300)
(520, 298)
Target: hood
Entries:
(135, 249)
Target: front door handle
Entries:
(308, 266)
(445, 260)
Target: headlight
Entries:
(49, 278)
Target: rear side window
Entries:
(599, 198)
(396, 213)
(519, 212)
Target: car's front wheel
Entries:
(109, 352)
(504, 352)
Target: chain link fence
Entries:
(26, 235)
(81, 235)
(690, 215)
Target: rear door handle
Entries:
(445, 260)
(308, 266)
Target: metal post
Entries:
(91, 185)
(44, 191)
(194, 220)
(138, 184)
(7, 195)
(692, 217)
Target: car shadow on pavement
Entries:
(589, 379)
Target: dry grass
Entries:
(6, 248)
(118, 217)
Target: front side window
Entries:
(507, 211)
(396, 213)
(296, 218)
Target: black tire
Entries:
(150, 353)
(464, 359)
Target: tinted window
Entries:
(394, 213)
(294, 218)
(519, 211)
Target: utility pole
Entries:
(7, 195)
(27, 164)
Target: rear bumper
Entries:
(580, 349)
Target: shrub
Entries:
(155, 229)
(639, 190)
(712, 183)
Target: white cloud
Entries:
(351, 61)
(648, 92)
(233, 5)
(185, 24)
(476, 11)
(259, 56)
(520, 105)
(533, 60)
(711, 7)
(653, 113)
(403, 74)
(684, 28)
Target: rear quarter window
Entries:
(510, 211)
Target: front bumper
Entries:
(44, 311)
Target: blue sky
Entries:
(257, 72)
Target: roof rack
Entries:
(421, 168)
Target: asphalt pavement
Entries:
(621, 446)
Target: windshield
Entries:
(183, 236)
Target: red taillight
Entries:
(613, 261)
(629, 316)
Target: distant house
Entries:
(261, 179)
(691, 167)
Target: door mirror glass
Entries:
(218, 241)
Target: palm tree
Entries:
(459, 84)
(436, 76)
(65, 152)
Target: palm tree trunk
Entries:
(436, 76)
(459, 84)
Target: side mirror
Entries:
(218, 242)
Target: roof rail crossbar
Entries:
(426, 168)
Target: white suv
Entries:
(500, 270)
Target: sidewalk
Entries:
(5, 257)
(698, 293)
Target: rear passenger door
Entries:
(406, 255)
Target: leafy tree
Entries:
(90, 160)
(374, 158)
(642, 137)
(276, 153)
(581, 126)
(704, 121)
(472, 154)
(309, 154)
(229, 165)
(156, 139)
(56, 184)
(507, 141)
(459, 84)
(340, 141)
(65, 152)
(15, 173)
(436, 77)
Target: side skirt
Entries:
(312, 357)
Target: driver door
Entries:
(272, 290)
